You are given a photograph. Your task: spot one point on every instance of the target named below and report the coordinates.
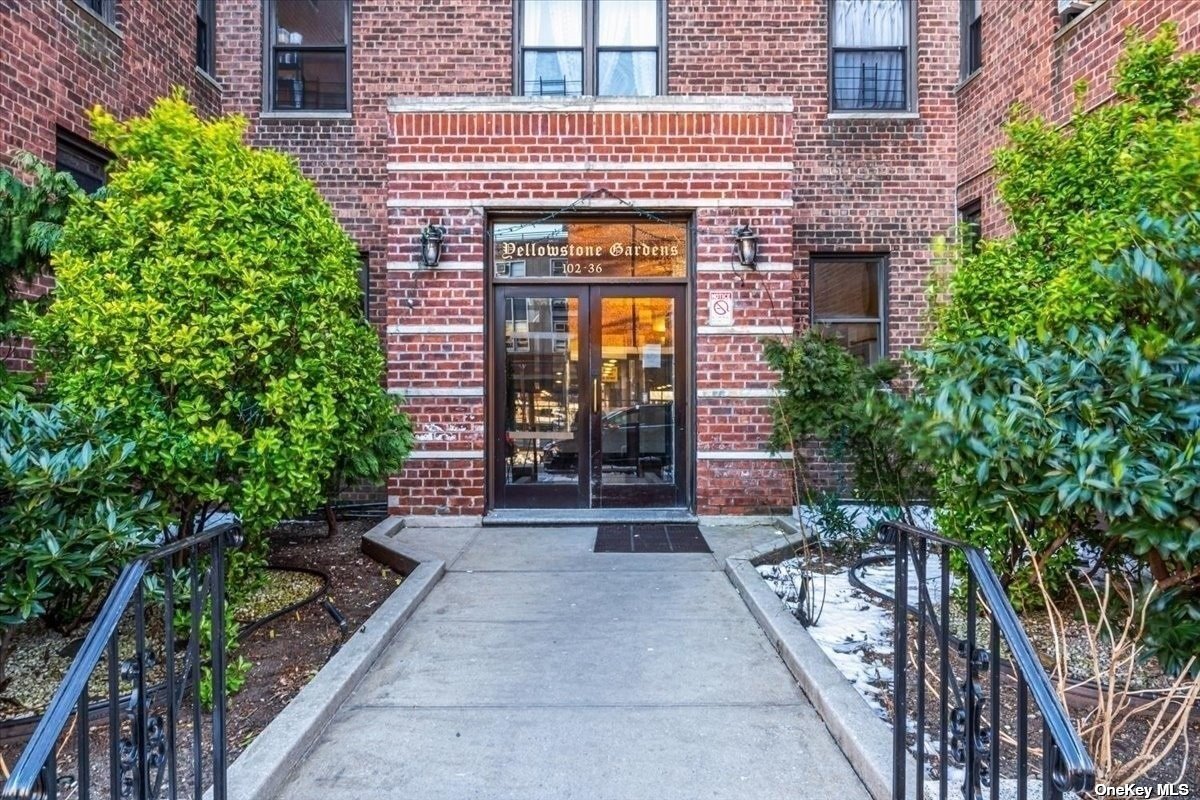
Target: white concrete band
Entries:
(744, 330)
(741, 455)
(405, 330)
(595, 202)
(715, 394)
(445, 266)
(713, 104)
(590, 166)
(446, 455)
(730, 266)
(437, 391)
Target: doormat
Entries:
(649, 538)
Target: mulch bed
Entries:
(288, 651)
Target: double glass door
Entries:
(589, 397)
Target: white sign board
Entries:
(720, 309)
(652, 356)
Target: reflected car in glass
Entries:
(640, 436)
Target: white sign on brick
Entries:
(720, 309)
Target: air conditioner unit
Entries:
(1071, 8)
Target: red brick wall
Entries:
(754, 150)
(857, 185)
(400, 47)
(1030, 58)
(58, 60)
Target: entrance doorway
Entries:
(590, 384)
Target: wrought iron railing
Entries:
(132, 694)
(987, 689)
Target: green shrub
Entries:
(830, 400)
(71, 512)
(1073, 194)
(31, 219)
(374, 444)
(210, 299)
(1086, 437)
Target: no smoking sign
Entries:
(720, 309)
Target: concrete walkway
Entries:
(538, 669)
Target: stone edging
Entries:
(261, 770)
(864, 738)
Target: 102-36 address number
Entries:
(580, 268)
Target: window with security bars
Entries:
(590, 47)
(870, 55)
(308, 52)
(847, 300)
(972, 36)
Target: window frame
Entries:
(107, 13)
(590, 48)
(85, 152)
(910, 67)
(206, 50)
(883, 269)
(970, 38)
(970, 219)
(270, 82)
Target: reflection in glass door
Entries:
(586, 398)
(540, 379)
(637, 427)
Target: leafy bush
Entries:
(1072, 195)
(210, 299)
(374, 444)
(1086, 437)
(31, 219)
(829, 399)
(71, 513)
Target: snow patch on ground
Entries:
(852, 629)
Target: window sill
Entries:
(203, 73)
(1078, 19)
(967, 81)
(882, 115)
(306, 115)
(111, 26)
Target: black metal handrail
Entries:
(142, 739)
(965, 738)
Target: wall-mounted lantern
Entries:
(431, 244)
(746, 245)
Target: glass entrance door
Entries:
(587, 382)
(638, 425)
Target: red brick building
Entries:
(59, 58)
(1034, 54)
(589, 337)
(614, 382)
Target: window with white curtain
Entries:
(590, 47)
(870, 64)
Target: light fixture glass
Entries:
(746, 245)
(431, 244)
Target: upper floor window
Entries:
(848, 300)
(206, 27)
(591, 47)
(104, 9)
(308, 51)
(870, 63)
(972, 36)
